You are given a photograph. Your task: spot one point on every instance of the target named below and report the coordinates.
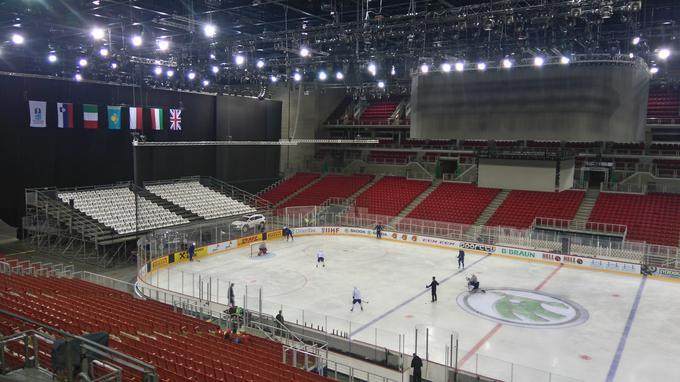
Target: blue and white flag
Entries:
(38, 113)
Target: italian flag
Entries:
(156, 119)
(136, 118)
(90, 116)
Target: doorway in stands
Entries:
(596, 176)
(448, 165)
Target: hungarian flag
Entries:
(90, 116)
(175, 119)
(136, 118)
(114, 117)
(65, 115)
(156, 118)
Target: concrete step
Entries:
(586, 207)
(491, 208)
(411, 206)
(294, 194)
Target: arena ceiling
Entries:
(257, 41)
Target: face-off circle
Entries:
(522, 307)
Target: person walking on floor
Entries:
(192, 250)
(433, 286)
(279, 323)
(230, 294)
(416, 365)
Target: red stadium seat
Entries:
(454, 203)
(520, 208)
(391, 194)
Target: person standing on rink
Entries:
(192, 250)
(378, 231)
(356, 299)
(433, 285)
(288, 233)
(461, 259)
(320, 258)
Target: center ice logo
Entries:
(520, 307)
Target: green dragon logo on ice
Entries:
(520, 307)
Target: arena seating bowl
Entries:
(391, 194)
(520, 208)
(289, 186)
(454, 203)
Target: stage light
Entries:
(538, 61)
(103, 52)
(381, 84)
(17, 39)
(339, 76)
(372, 69)
(158, 70)
(163, 45)
(507, 64)
(393, 71)
(191, 75)
(636, 40)
(424, 68)
(304, 52)
(215, 69)
(209, 30)
(446, 67)
(170, 73)
(82, 62)
(297, 77)
(206, 82)
(212, 56)
(564, 60)
(323, 76)
(97, 33)
(631, 55)
(114, 65)
(52, 58)
(654, 70)
(136, 40)
(663, 53)
(481, 66)
(260, 64)
(78, 77)
(239, 60)
(460, 66)
(273, 78)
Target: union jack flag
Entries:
(175, 119)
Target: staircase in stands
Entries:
(414, 203)
(168, 205)
(491, 208)
(303, 188)
(586, 208)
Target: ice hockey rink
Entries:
(589, 325)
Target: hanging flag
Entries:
(65, 115)
(175, 119)
(114, 117)
(90, 116)
(156, 119)
(38, 113)
(136, 118)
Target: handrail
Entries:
(149, 371)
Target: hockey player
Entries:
(473, 283)
(262, 249)
(378, 231)
(433, 285)
(320, 258)
(356, 299)
(461, 259)
(288, 233)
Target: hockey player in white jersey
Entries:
(356, 299)
(320, 258)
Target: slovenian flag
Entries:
(156, 119)
(65, 115)
(136, 118)
(114, 117)
(90, 116)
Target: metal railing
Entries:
(591, 227)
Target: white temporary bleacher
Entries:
(200, 200)
(115, 208)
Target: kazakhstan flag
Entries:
(114, 117)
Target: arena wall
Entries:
(579, 102)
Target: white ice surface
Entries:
(392, 278)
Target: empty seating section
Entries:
(200, 200)
(653, 218)
(391, 194)
(665, 149)
(454, 203)
(115, 208)
(632, 148)
(520, 208)
(544, 145)
(667, 168)
(472, 144)
(331, 186)
(663, 105)
(378, 112)
(289, 186)
(391, 156)
(180, 347)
